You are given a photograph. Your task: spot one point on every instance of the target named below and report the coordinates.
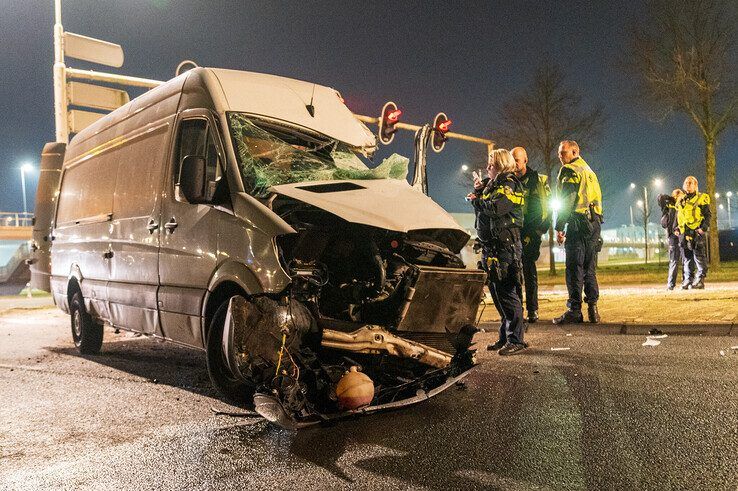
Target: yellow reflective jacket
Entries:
(578, 173)
(692, 211)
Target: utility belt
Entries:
(502, 240)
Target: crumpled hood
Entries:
(391, 204)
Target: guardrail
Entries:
(16, 219)
(18, 257)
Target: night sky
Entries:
(463, 58)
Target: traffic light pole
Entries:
(413, 127)
(423, 135)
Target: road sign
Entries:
(79, 120)
(94, 50)
(95, 96)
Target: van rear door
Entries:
(52, 158)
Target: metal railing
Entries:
(18, 257)
(16, 219)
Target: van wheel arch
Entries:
(72, 288)
(220, 294)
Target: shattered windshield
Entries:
(269, 155)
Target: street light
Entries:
(729, 195)
(465, 167)
(27, 167)
(657, 183)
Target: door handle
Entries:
(153, 225)
(108, 254)
(171, 225)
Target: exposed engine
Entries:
(400, 308)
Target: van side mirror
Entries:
(193, 180)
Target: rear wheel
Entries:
(86, 333)
(236, 391)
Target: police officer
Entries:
(669, 222)
(579, 223)
(498, 207)
(693, 219)
(535, 223)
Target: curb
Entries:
(718, 329)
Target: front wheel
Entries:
(86, 333)
(236, 391)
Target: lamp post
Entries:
(25, 168)
(643, 204)
(729, 195)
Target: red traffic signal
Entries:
(388, 121)
(441, 126)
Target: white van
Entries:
(234, 212)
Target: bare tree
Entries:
(684, 57)
(543, 114)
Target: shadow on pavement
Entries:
(156, 362)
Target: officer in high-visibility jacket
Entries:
(578, 227)
(669, 222)
(535, 223)
(498, 207)
(693, 220)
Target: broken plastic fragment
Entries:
(651, 342)
(560, 349)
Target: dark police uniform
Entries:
(498, 208)
(669, 223)
(535, 224)
(581, 214)
(693, 212)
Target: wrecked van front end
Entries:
(380, 310)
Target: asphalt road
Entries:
(608, 413)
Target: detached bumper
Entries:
(271, 409)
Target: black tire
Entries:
(86, 333)
(236, 391)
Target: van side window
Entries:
(195, 139)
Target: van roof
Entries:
(271, 96)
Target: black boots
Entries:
(570, 317)
(532, 316)
(576, 317)
(593, 313)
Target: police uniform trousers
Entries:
(581, 246)
(694, 256)
(531, 253)
(675, 261)
(505, 290)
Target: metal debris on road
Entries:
(560, 349)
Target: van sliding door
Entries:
(134, 231)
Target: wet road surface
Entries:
(608, 413)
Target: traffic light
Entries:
(390, 117)
(441, 125)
